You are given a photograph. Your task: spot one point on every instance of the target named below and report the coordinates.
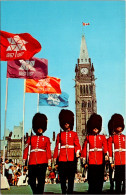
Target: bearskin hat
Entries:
(110, 127)
(118, 121)
(95, 121)
(39, 121)
(66, 116)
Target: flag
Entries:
(34, 68)
(18, 46)
(85, 24)
(60, 100)
(46, 86)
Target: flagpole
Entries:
(23, 124)
(5, 125)
(38, 103)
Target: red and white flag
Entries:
(17, 46)
(34, 68)
(48, 85)
(85, 24)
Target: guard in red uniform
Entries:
(66, 150)
(93, 152)
(40, 154)
(119, 141)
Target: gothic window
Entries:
(85, 60)
(80, 89)
(86, 88)
(89, 104)
(81, 60)
(90, 88)
(83, 104)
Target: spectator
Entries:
(52, 176)
(10, 175)
(6, 167)
(10, 163)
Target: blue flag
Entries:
(60, 100)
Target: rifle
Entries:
(86, 169)
(27, 161)
(59, 147)
(113, 171)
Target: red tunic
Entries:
(119, 142)
(40, 150)
(69, 146)
(97, 147)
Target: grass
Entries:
(79, 188)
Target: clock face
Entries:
(84, 70)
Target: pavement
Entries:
(79, 188)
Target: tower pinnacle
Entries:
(84, 57)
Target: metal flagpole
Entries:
(5, 126)
(38, 103)
(23, 124)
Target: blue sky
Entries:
(57, 25)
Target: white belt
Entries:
(38, 150)
(67, 146)
(120, 150)
(95, 149)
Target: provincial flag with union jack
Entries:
(17, 46)
(47, 86)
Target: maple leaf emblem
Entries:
(44, 83)
(27, 65)
(16, 44)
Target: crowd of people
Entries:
(12, 171)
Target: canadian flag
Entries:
(17, 46)
(85, 24)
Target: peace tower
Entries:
(85, 92)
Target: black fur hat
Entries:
(110, 127)
(118, 121)
(39, 121)
(95, 121)
(66, 116)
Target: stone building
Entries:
(13, 144)
(85, 92)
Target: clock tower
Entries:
(85, 93)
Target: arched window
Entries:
(86, 88)
(80, 89)
(89, 104)
(90, 88)
(83, 104)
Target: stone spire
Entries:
(84, 58)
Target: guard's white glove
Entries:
(78, 153)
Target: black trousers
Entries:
(37, 172)
(95, 178)
(67, 171)
(119, 178)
